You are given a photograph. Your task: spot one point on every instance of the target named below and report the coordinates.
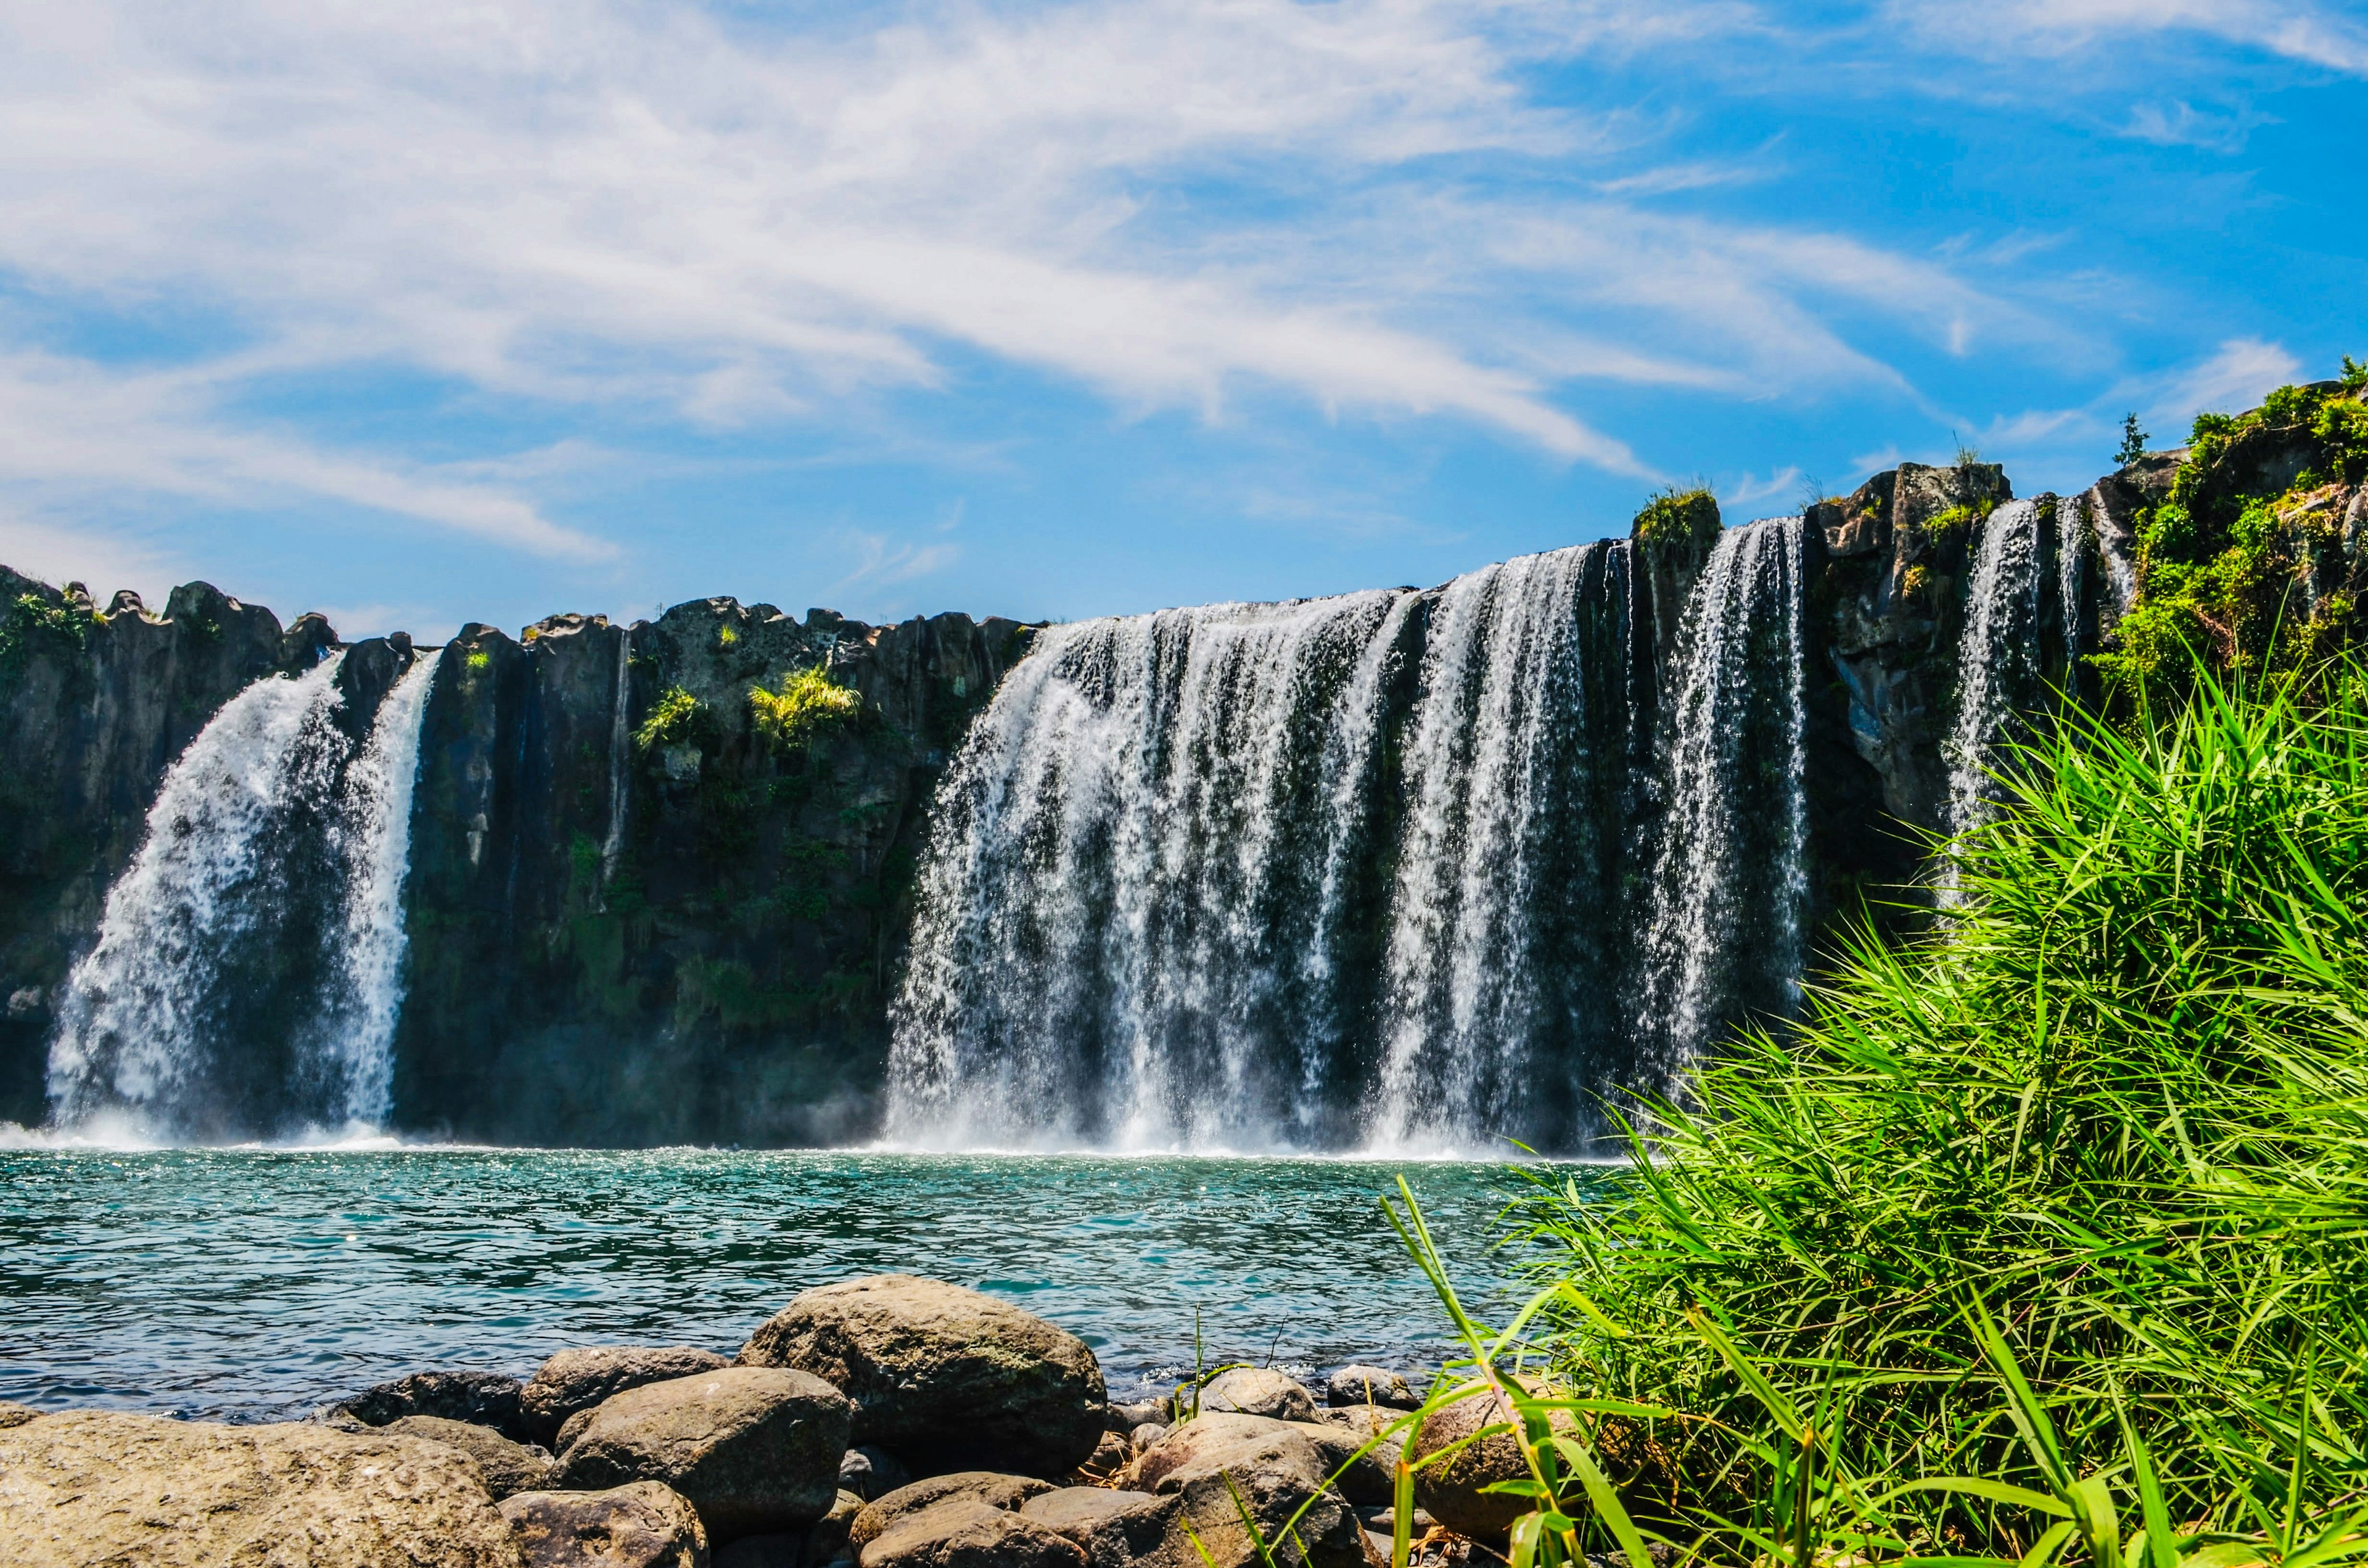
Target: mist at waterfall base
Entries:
(256, 1284)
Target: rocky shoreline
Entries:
(884, 1422)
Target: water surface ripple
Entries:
(255, 1285)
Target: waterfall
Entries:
(147, 1010)
(620, 754)
(352, 1059)
(1997, 656)
(1722, 934)
(1141, 879)
(1508, 755)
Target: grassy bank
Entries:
(2045, 1236)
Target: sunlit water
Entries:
(255, 1285)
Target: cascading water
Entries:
(1132, 922)
(171, 980)
(352, 1061)
(1722, 934)
(1997, 657)
(1515, 778)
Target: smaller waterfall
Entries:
(354, 1055)
(1723, 933)
(147, 1009)
(1997, 656)
(620, 754)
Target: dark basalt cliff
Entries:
(636, 917)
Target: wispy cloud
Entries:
(2232, 380)
(879, 561)
(2312, 34)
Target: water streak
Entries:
(354, 1056)
(144, 1009)
(1723, 933)
(1997, 656)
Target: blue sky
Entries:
(445, 311)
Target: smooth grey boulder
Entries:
(578, 1380)
(827, 1541)
(962, 1533)
(755, 1448)
(639, 1525)
(1127, 1417)
(1370, 1385)
(509, 1467)
(1143, 1437)
(104, 1486)
(481, 1399)
(992, 1488)
(1255, 1390)
(1370, 1479)
(1450, 1489)
(941, 1375)
(1112, 1528)
(871, 1472)
(14, 1415)
(1274, 1468)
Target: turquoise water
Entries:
(255, 1285)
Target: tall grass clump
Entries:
(2098, 1139)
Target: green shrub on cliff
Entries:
(1675, 517)
(809, 704)
(675, 719)
(2106, 1127)
(35, 623)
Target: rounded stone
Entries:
(1220, 1463)
(1450, 1489)
(962, 1533)
(107, 1486)
(508, 1467)
(755, 1448)
(942, 1375)
(483, 1399)
(1257, 1390)
(992, 1488)
(1353, 1386)
(578, 1380)
(639, 1525)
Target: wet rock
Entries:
(1255, 1391)
(871, 1472)
(761, 1552)
(828, 1541)
(962, 1533)
(14, 1415)
(1143, 1437)
(1112, 1528)
(992, 1488)
(1370, 1385)
(508, 1467)
(578, 1380)
(941, 1374)
(483, 1399)
(1127, 1417)
(1450, 1490)
(105, 1486)
(1274, 1468)
(639, 1525)
(755, 1448)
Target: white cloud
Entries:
(877, 563)
(648, 207)
(2295, 30)
(101, 559)
(2234, 379)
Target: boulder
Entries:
(1143, 1437)
(962, 1533)
(942, 1375)
(14, 1415)
(639, 1525)
(571, 1429)
(483, 1399)
(1112, 1528)
(578, 1380)
(1450, 1490)
(1255, 1391)
(1370, 1385)
(871, 1472)
(1127, 1417)
(1369, 1479)
(828, 1542)
(1273, 1466)
(990, 1487)
(755, 1448)
(105, 1486)
(508, 1467)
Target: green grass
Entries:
(2078, 1178)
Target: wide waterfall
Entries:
(1998, 656)
(1362, 872)
(1721, 932)
(245, 976)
